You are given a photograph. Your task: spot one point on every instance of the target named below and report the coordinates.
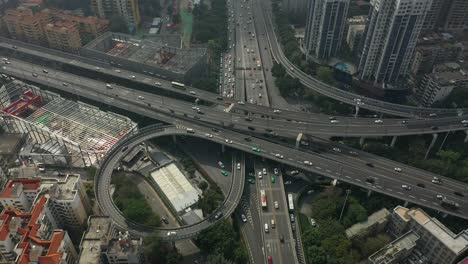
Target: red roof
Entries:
(28, 184)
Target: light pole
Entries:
(348, 191)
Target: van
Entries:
(266, 228)
(272, 223)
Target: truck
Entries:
(449, 204)
(290, 202)
(263, 198)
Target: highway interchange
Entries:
(321, 157)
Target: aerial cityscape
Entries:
(234, 131)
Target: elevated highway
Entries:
(215, 115)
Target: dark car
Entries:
(164, 219)
(370, 180)
(247, 139)
(215, 130)
(370, 165)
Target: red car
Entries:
(270, 260)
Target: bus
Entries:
(263, 198)
(290, 202)
(178, 85)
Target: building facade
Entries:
(355, 30)
(436, 242)
(390, 39)
(326, 21)
(457, 18)
(127, 9)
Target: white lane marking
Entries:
(390, 190)
(400, 193)
(435, 203)
(318, 168)
(378, 186)
(411, 196)
(358, 180)
(422, 200)
(347, 176)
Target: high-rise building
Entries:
(355, 29)
(127, 9)
(326, 21)
(295, 7)
(63, 35)
(390, 39)
(457, 16)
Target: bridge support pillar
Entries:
(356, 112)
(394, 139)
(434, 138)
(406, 204)
(298, 140)
(466, 137)
(174, 139)
(223, 148)
(369, 192)
(361, 141)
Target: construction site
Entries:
(160, 56)
(58, 131)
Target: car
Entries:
(273, 179)
(434, 127)
(256, 149)
(260, 175)
(118, 71)
(45, 71)
(224, 173)
(41, 167)
(218, 215)
(164, 219)
(141, 97)
(171, 233)
(308, 163)
(436, 180)
(353, 153)
(65, 84)
(334, 121)
(228, 141)
(215, 130)
(397, 169)
(248, 118)
(439, 196)
(279, 156)
(403, 122)
(192, 92)
(287, 182)
(421, 185)
(108, 86)
(15, 47)
(247, 139)
(270, 260)
(251, 181)
(331, 118)
(133, 77)
(264, 171)
(336, 149)
(281, 238)
(378, 121)
(304, 143)
(291, 217)
(276, 204)
(238, 166)
(220, 164)
(124, 148)
(241, 102)
(97, 68)
(276, 111)
(34, 75)
(406, 187)
(275, 171)
(209, 135)
(244, 219)
(370, 180)
(368, 164)
(294, 172)
(432, 114)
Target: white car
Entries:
(276, 204)
(378, 121)
(397, 169)
(244, 219)
(264, 171)
(337, 149)
(406, 187)
(308, 163)
(133, 77)
(276, 111)
(312, 222)
(238, 166)
(279, 156)
(192, 92)
(171, 233)
(209, 135)
(440, 197)
(260, 175)
(334, 121)
(241, 102)
(275, 170)
(141, 97)
(228, 141)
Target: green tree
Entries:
(210, 200)
(218, 239)
(325, 74)
(118, 24)
(372, 244)
(203, 185)
(217, 259)
(316, 255)
(152, 248)
(278, 70)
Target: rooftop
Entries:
(457, 243)
(375, 218)
(97, 234)
(124, 245)
(9, 143)
(61, 188)
(391, 252)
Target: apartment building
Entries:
(436, 242)
(437, 85)
(390, 39)
(355, 27)
(67, 200)
(102, 243)
(326, 21)
(127, 9)
(24, 25)
(33, 237)
(457, 18)
(63, 35)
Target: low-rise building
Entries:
(438, 85)
(436, 241)
(63, 35)
(375, 223)
(33, 237)
(101, 243)
(399, 249)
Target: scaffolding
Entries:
(73, 132)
